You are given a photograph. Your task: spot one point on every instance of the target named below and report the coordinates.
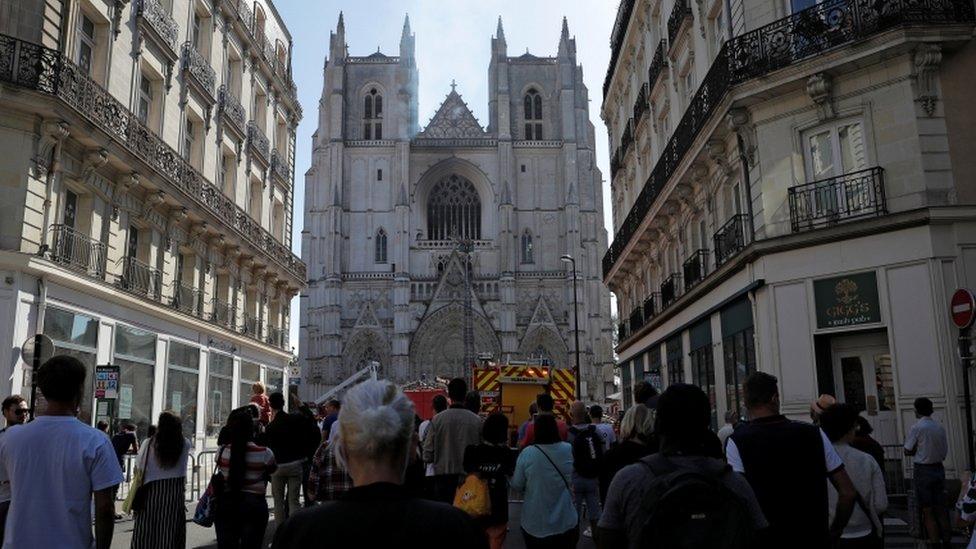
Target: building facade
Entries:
(419, 240)
(147, 180)
(793, 193)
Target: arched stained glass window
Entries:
(532, 105)
(527, 255)
(373, 115)
(453, 210)
(380, 253)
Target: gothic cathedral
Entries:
(429, 245)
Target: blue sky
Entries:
(453, 42)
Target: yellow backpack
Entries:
(472, 496)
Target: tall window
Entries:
(86, 45)
(527, 247)
(835, 149)
(274, 380)
(145, 98)
(676, 368)
(135, 355)
(453, 210)
(75, 335)
(181, 385)
(220, 385)
(379, 254)
(532, 105)
(373, 115)
(250, 374)
(195, 32)
(189, 140)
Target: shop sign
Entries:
(847, 300)
(107, 382)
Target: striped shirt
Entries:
(260, 463)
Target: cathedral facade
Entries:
(429, 246)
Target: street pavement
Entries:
(200, 537)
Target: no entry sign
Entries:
(962, 308)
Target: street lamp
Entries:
(569, 259)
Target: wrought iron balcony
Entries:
(624, 11)
(279, 167)
(252, 326)
(658, 64)
(140, 279)
(695, 269)
(276, 337)
(680, 13)
(627, 138)
(801, 36)
(160, 23)
(199, 69)
(830, 201)
(615, 161)
(231, 110)
(78, 251)
(621, 331)
(47, 71)
(187, 299)
(641, 106)
(732, 238)
(669, 290)
(221, 313)
(257, 141)
(636, 319)
(652, 306)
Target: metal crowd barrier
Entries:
(896, 473)
(192, 476)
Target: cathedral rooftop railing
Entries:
(369, 143)
(373, 60)
(450, 244)
(537, 144)
(463, 142)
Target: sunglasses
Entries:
(21, 412)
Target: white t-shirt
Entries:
(154, 471)
(606, 433)
(4, 484)
(54, 463)
(422, 434)
(831, 458)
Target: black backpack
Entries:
(587, 451)
(691, 509)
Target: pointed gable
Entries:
(453, 120)
(367, 317)
(542, 316)
(450, 288)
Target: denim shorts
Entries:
(929, 483)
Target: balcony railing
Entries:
(627, 138)
(641, 105)
(650, 306)
(679, 13)
(621, 331)
(187, 299)
(624, 11)
(77, 251)
(801, 36)
(636, 319)
(47, 71)
(658, 63)
(695, 268)
(279, 167)
(231, 110)
(140, 279)
(615, 161)
(256, 141)
(276, 337)
(830, 201)
(278, 67)
(198, 67)
(221, 313)
(669, 290)
(157, 19)
(252, 326)
(735, 235)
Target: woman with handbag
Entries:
(542, 473)
(158, 503)
(493, 461)
(240, 508)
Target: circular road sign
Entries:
(962, 308)
(46, 351)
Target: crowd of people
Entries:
(369, 472)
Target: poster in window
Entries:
(125, 401)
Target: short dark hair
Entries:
(495, 428)
(759, 389)
(11, 401)
(334, 403)
(472, 401)
(546, 430)
(277, 401)
(683, 418)
(596, 411)
(457, 388)
(102, 425)
(838, 420)
(545, 402)
(644, 391)
(439, 402)
(61, 378)
(864, 426)
(924, 406)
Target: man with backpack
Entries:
(588, 452)
(684, 496)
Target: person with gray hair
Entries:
(373, 443)
(636, 441)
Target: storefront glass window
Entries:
(740, 361)
(220, 384)
(703, 372)
(250, 374)
(183, 369)
(135, 355)
(626, 387)
(274, 380)
(676, 368)
(75, 335)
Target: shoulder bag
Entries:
(135, 500)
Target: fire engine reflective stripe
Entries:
(563, 384)
(486, 379)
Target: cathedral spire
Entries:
(341, 27)
(337, 41)
(500, 31)
(407, 42)
(565, 33)
(567, 46)
(406, 26)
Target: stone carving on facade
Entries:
(740, 121)
(53, 132)
(453, 120)
(927, 59)
(820, 90)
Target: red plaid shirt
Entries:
(327, 479)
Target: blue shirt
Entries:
(548, 508)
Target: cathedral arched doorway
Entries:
(364, 346)
(437, 347)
